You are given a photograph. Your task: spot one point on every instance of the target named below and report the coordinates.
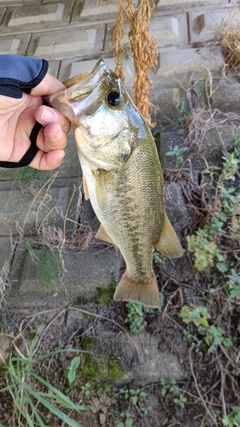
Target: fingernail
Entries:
(48, 116)
(62, 155)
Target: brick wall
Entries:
(73, 35)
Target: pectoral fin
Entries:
(103, 235)
(101, 188)
(168, 243)
(85, 188)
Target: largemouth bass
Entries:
(122, 176)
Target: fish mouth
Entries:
(80, 86)
(88, 77)
(82, 92)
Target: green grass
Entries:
(32, 395)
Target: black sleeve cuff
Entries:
(20, 74)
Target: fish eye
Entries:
(114, 98)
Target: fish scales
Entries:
(122, 177)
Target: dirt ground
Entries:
(114, 359)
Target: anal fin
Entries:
(168, 243)
(103, 235)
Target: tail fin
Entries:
(146, 292)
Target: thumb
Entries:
(48, 86)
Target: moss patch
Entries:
(105, 295)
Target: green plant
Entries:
(135, 397)
(158, 258)
(180, 401)
(233, 284)
(128, 421)
(207, 337)
(135, 316)
(206, 243)
(206, 252)
(198, 315)
(157, 131)
(182, 113)
(72, 369)
(86, 389)
(29, 391)
(49, 267)
(234, 419)
(177, 152)
(171, 389)
(168, 387)
(133, 394)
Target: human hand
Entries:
(17, 119)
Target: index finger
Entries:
(48, 86)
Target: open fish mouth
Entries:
(79, 87)
(82, 85)
(81, 95)
(89, 77)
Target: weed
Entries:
(233, 284)
(171, 389)
(182, 113)
(135, 397)
(133, 394)
(158, 258)
(135, 316)
(206, 242)
(157, 131)
(49, 267)
(232, 420)
(180, 401)
(128, 421)
(198, 315)
(206, 252)
(72, 369)
(177, 152)
(208, 337)
(28, 399)
(86, 389)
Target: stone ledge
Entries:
(36, 17)
(16, 45)
(30, 207)
(93, 13)
(5, 250)
(203, 26)
(84, 271)
(188, 5)
(67, 43)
